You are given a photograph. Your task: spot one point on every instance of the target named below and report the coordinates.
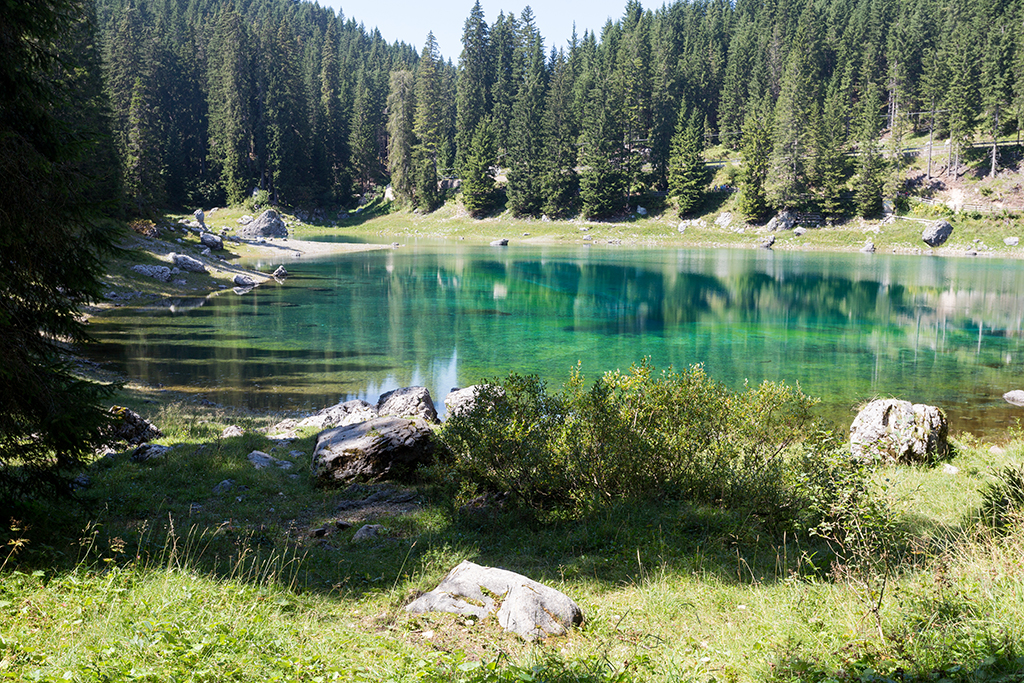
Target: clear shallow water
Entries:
(846, 327)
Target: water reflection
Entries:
(845, 327)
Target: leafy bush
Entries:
(631, 435)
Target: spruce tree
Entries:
(428, 125)
(478, 176)
(602, 181)
(686, 173)
(757, 148)
(51, 126)
(472, 97)
(830, 161)
(231, 107)
(561, 183)
(525, 144)
(401, 140)
(870, 164)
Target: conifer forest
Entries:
(211, 101)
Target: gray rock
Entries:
(245, 220)
(188, 263)
(641, 211)
(406, 402)
(800, 232)
(936, 234)
(162, 273)
(892, 430)
(521, 604)
(1015, 397)
(129, 427)
(280, 273)
(149, 451)
(368, 532)
(229, 432)
(503, 242)
(200, 217)
(868, 248)
(340, 415)
(243, 281)
(261, 460)
(374, 449)
(223, 487)
(767, 242)
(212, 241)
(269, 224)
(1011, 241)
(785, 220)
(464, 400)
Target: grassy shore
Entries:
(161, 572)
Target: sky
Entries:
(410, 20)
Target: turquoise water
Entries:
(846, 327)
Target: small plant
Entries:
(1002, 501)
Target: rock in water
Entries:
(1015, 397)
(899, 431)
(523, 605)
(503, 242)
(243, 281)
(936, 234)
(408, 401)
(269, 224)
(371, 450)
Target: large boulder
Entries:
(936, 234)
(522, 605)
(892, 430)
(211, 241)
(186, 262)
(129, 427)
(406, 402)
(200, 217)
(269, 224)
(1015, 397)
(367, 451)
(464, 400)
(341, 415)
(785, 220)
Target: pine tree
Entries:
(51, 241)
(283, 117)
(870, 165)
(428, 125)
(401, 140)
(686, 173)
(525, 145)
(331, 135)
(474, 84)
(231, 107)
(561, 185)
(961, 92)
(830, 161)
(143, 180)
(478, 177)
(602, 181)
(757, 146)
(995, 91)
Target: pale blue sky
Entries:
(410, 20)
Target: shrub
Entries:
(631, 435)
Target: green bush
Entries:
(632, 435)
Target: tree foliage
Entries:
(51, 242)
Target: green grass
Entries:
(154, 577)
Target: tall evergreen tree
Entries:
(428, 124)
(686, 173)
(232, 115)
(961, 90)
(830, 161)
(473, 95)
(401, 140)
(50, 419)
(525, 145)
(561, 183)
(870, 165)
(478, 177)
(602, 180)
(757, 148)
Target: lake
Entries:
(845, 327)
